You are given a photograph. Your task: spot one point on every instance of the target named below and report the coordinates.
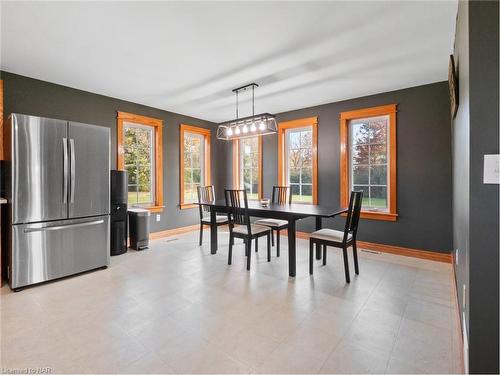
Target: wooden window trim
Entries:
(207, 137)
(299, 123)
(237, 166)
(158, 126)
(345, 117)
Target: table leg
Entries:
(213, 231)
(291, 248)
(318, 247)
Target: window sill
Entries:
(154, 208)
(384, 216)
(184, 206)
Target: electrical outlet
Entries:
(157, 217)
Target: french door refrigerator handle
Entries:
(58, 227)
(72, 151)
(65, 170)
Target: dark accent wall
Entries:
(476, 133)
(423, 166)
(39, 98)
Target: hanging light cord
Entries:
(237, 117)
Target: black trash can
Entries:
(138, 222)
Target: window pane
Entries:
(139, 159)
(196, 175)
(378, 175)
(378, 197)
(360, 154)
(366, 194)
(360, 174)
(306, 189)
(294, 140)
(295, 189)
(306, 139)
(307, 175)
(294, 159)
(378, 154)
(378, 130)
(306, 156)
(187, 176)
(190, 194)
(294, 175)
(132, 194)
(360, 132)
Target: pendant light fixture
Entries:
(250, 126)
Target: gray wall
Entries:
(476, 133)
(423, 171)
(39, 98)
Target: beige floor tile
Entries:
(350, 359)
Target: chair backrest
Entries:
(282, 195)
(352, 220)
(206, 194)
(237, 208)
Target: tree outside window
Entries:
(300, 163)
(369, 158)
(250, 166)
(139, 162)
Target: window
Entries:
(297, 158)
(194, 163)
(368, 160)
(140, 154)
(247, 164)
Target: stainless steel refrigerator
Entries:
(57, 187)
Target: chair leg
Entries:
(245, 241)
(201, 234)
(272, 237)
(248, 247)
(311, 255)
(278, 243)
(269, 247)
(346, 266)
(324, 255)
(257, 244)
(355, 255)
(230, 254)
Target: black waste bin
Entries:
(138, 221)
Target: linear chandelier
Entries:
(250, 126)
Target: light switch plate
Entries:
(157, 217)
(491, 172)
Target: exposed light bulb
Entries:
(237, 130)
(253, 127)
(262, 126)
(245, 128)
(229, 132)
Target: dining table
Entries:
(289, 212)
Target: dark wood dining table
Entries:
(290, 212)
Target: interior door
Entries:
(39, 158)
(89, 149)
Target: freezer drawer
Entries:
(47, 251)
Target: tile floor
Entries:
(176, 308)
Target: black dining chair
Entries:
(281, 195)
(240, 226)
(337, 238)
(206, 194)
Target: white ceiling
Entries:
(186, 57)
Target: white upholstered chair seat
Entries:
(271, 222)
(255, 229)
(330, 235)
(218, 218)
